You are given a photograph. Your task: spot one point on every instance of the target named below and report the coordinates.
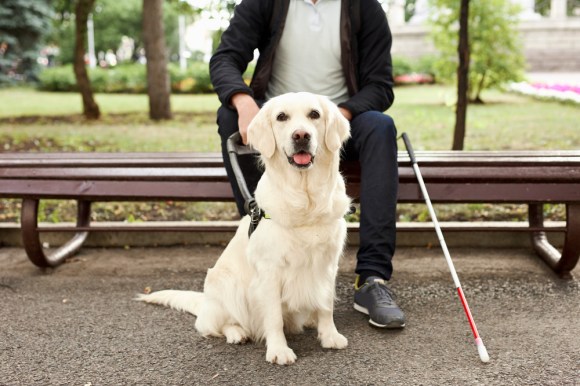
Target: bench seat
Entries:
(526, 177)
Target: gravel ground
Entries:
(78, 325)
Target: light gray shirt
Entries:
(308, 57)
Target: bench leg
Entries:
(31, 235)
(561, 263)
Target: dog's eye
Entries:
(314, 114)
(282, 117)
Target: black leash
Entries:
(235, 148)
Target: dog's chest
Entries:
(309, 268)
(303, 259)
(307, 282)
(308, 245)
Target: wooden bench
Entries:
(527, 177)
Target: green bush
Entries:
(128, 78)
(422, 65)
(401, 66)
(57, 79)
(414, 71)
(195, 80)
(425, 65)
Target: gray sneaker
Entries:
(375, 299)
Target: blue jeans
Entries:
(374, 143)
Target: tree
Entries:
(409, 9)
(82, 10)
(114, 19)
(22, 25)
(462, 77)
(158, 87)
(495, 51)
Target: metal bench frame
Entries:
(528, 177)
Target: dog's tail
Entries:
(188, 301)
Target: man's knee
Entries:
(375, 125)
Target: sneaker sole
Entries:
(392, 325)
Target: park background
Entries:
(524, 86)
(77, 324)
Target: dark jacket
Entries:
(365, 52)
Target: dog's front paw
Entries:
(280, 355)
(333, 340)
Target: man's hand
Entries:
(247, 109)
(347, 114)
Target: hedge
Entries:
(128, 78)
(132, 78)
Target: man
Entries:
(340, 49)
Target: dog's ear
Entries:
(337, 126)
(260, 134)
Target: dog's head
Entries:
(298, 127)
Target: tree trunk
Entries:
(477, 97)
(462, 77)
(156, 54)
(82, 11)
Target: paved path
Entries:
(77, 325)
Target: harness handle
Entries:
(235, 148)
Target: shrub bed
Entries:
(420, 71)
(128, 78)
(132, 78)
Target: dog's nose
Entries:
(301, 136)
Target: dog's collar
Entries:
(257, 214)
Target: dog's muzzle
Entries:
(302, 156)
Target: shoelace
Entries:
(385, 296)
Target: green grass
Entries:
(112, 136)
(506, 121)
(426, 113)
(30, 102)
(54, 121)
(41, 121)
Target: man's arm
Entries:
(247, 28)
(374, 63)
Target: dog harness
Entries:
(256, 215)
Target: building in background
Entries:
(551, 41)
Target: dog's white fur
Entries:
(283, 277)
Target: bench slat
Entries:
(221, 191)
(194, 174)
(426, 158)
(119, 190)
(441, 192)
(197, 161)
(466, 174)
(105, 155)
(187, 155)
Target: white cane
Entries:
(478, 341)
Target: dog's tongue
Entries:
(302, 158)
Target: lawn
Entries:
(426, 113)
(40, 121)
(43, 121)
